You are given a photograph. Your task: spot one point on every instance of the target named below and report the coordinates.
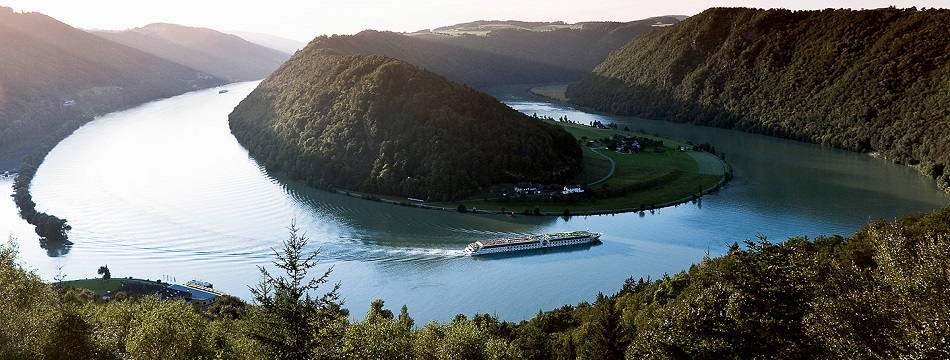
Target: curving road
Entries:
(613, 166)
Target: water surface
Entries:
(165, 190)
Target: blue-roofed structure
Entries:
(200, 294)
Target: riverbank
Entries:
(194, 203)
(635, 178)
(53, 231)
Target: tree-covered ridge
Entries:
(878, 294)
(870, 80)
(222, 55)
(381, 125)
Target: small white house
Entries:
(572, 189)
(527, 188)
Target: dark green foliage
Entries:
(70, 338)
(104, 271)
(872, 80)
(228, 307)
(881, 293)
(878, 294)
(288, 319)
(383, 126)
(52, 230)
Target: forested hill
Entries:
(45, 63)
(873, 80)
(223, 55)
(384, 126)
(505, 56)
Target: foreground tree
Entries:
(379, 336)
(104, 271)
(28, 307)
(288, 322)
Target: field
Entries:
(657, 177)
(99, 286)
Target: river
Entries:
(164, 191)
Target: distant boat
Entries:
(222, 91)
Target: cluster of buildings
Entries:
(530, 188)
(625, 144)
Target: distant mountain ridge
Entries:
(380, 125)
(490, 25)
(222, 55)
(284, 45)
(46, 63)
(868, 81)
(503, 56)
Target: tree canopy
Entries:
(879, 293)
(380, 125)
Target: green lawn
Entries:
(645, 179)
(595, 167)
(101, 287)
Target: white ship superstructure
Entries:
(530, 242)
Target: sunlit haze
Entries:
(304, 19)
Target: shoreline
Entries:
(726, 177)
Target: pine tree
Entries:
(288, 318)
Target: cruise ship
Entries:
(529, 242)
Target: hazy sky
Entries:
(304, 19)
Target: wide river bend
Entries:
(165, 191)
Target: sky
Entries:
(302, 20)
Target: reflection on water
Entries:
(533, 252)
(164, 189)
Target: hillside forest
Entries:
(380, 125)
(875, 81)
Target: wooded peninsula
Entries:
(384, 126)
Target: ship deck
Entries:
(527, 239)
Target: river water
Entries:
(163, 191)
